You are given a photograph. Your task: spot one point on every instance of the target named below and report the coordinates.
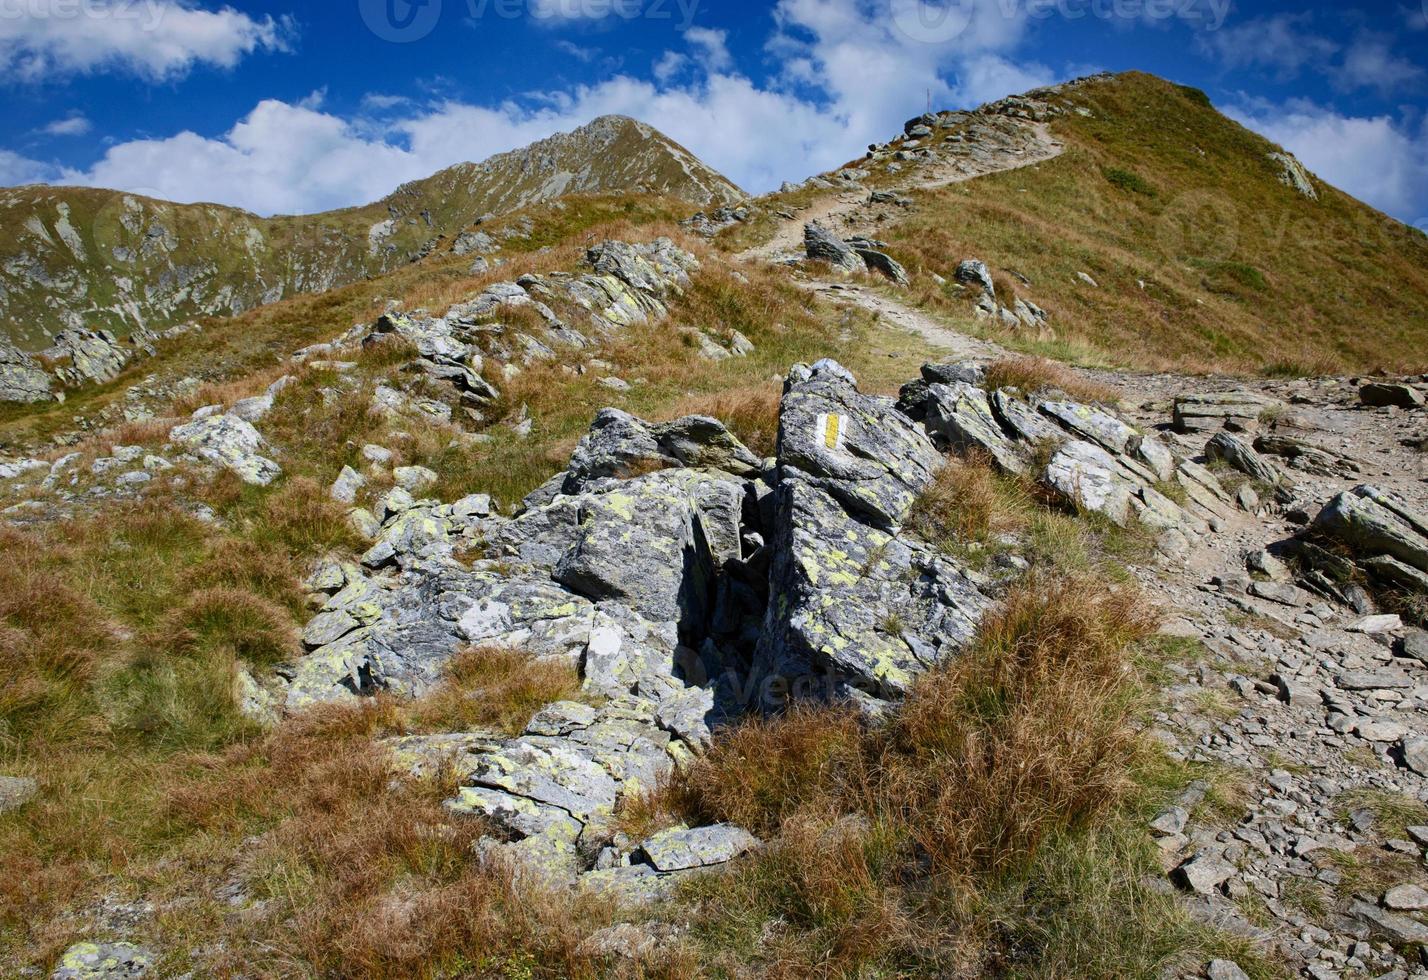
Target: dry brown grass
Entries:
(488, 688)
(1026, 735)
(751, 413)
(363, 879)
(968, 502)
(1024, 738)
(52, 639)
(1035, 375)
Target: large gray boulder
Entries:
(857, 448)
(821, 244)
(21, 379)
(1086, 475)
(1382, 394)
(856, 608)
(879, 261)
(231, 443)
(1373, 522)
(974, 273)
(959, 415)
(87, 356)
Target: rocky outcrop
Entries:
(1093, 460)
(629, 283)
(21, 378)
(858, 608)
(1292, 174)
(87, 357)
(1208, 412)
(821, 245)
(853, 255)
(104, 961)
(1388, 540)
(688, 580)
(229, 442)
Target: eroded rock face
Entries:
(21, 378)
(856, 609)
(87, 356)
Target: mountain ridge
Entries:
(96, 258)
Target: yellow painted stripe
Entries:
(830, 431)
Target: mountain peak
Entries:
(97, 258)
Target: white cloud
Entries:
(1368, 63)
(576, 51)
(155, 39)
(712, 47)
(281, 158)
(852, 71)
(668, 65)
(381, 102)
(1282, 43)
(1371, 157)
(16, 169)
(1286, 46)
(74, 124)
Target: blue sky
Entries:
(286, 107)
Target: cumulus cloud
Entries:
(74, 124)
(157, 39)
(1371, 157)
(853, 70)
(1369, 63)
(17, 169)
(1286, 45)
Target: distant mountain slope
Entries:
(96, 258)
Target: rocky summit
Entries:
(676, 584)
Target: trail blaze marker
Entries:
(832, 429)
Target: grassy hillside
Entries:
(103, 258)
(1203, 258)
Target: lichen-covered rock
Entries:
(658, 268)
(856, 609)
(620, 445)
(857, 448)
(682, 848)
(1086, 475)
(230, 442)
(87, 356)
(104, 961)
(959, 415)
(21, 379)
